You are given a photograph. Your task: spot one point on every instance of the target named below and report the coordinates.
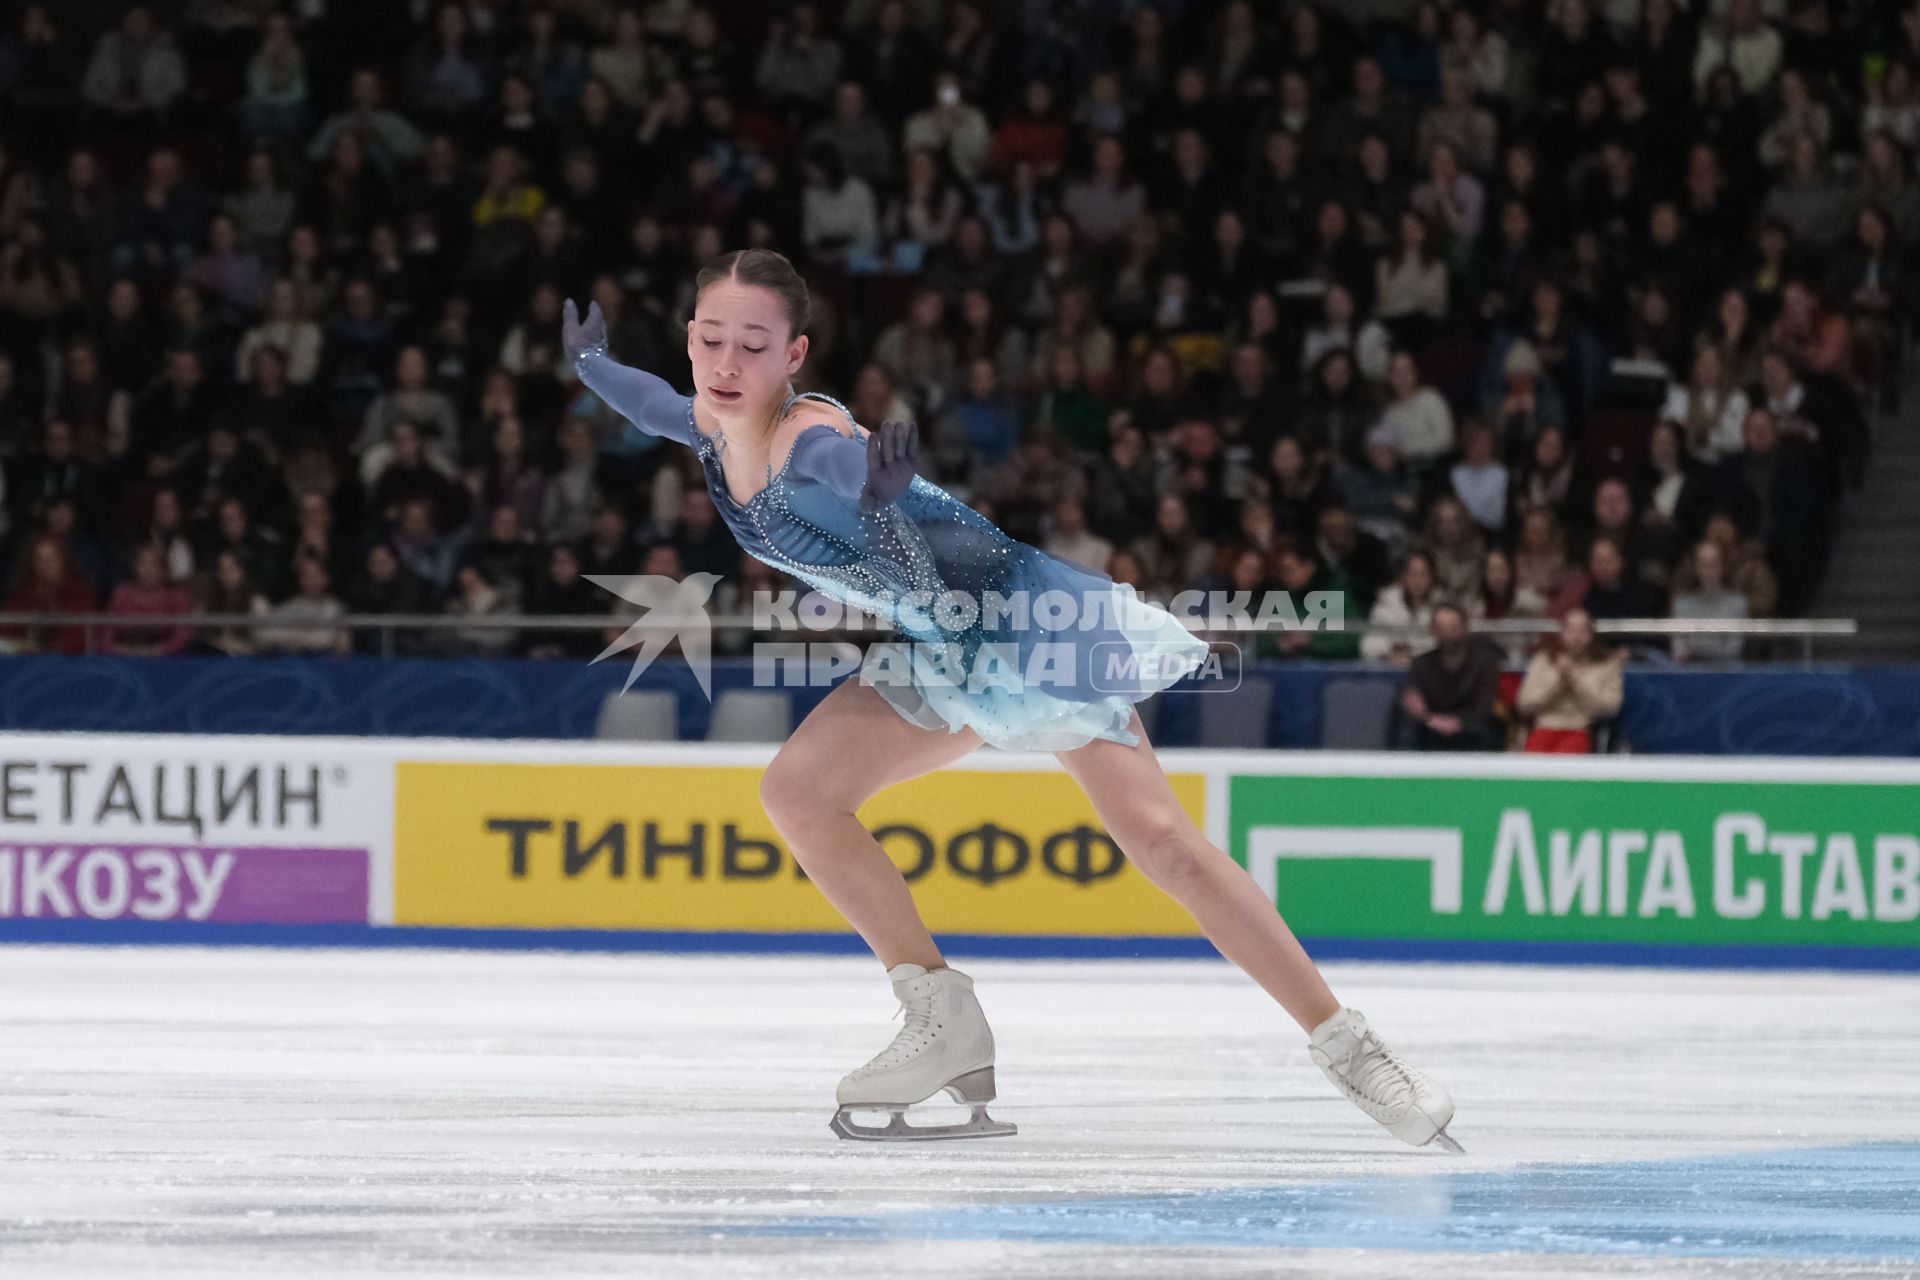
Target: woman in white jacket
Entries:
(1709, 408)
(1407, 603)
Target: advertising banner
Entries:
(194, 830)
(1621, 860)
(654, 846)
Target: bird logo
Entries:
(669, 610)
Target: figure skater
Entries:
(812, 493)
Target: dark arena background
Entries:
(1545, 366)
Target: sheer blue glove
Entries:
(582, 337)
(649, 403)
(893, 455)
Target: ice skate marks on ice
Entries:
(1851, 1202)
(944, 1046)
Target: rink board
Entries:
(366, 841)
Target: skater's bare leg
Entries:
(1136, 804)
(850, 747)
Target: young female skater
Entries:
(809, 491)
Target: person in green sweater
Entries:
(1070, 405)
(1302, 575)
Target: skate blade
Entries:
(981, 1125)
(1445, 1142)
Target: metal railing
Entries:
(1804, 630)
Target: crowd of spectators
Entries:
(1521, 306)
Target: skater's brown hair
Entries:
(768, 270)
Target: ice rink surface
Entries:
(373, 1113)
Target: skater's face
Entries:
(742, 351)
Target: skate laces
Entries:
(919, 1016)
(1376, 1071)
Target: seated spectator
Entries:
(1742, 40)
(799, 64)
(228, 272)
(276, 101)
(421, 547)
(1572, 682)
(166, 532)
(922, 217)
(610, 549)
(1072, 540)
(876, 398)
(1746, 571)
(859, 137)
(1456, 550)
(1451, 691)
(508, 557)
(287, 329)
(1174, 555)
(476, 598)
(391, 140)
(1708, 598)
(1410, 284)
(1674, 494)
(299, 621)
(1611, 591)
(1461, 123)
(387, 586)
(49, 584)
(977, 431)
(1499, 601)
(1382, 494)
(1779, 484)
(1339, 410)
(1809, 199)
(563, 593)
(1341, 328)
(1421, 422)
(1296, 485)
(1323, 601)
(838, 214)
(1120, 485)
(1709, 409)
(232, 527)
(918, 354)
(1452, 200)
(1104, 203)
(1480, 479)
(1526, 402)
(953, 127)
(1814, 338)
(1406, 604)
(136, 72)
(1345, 548)
(401, 469)
(147, 592)
(1548, 480)
(230, 592)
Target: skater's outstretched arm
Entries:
(873, 473)
(646, 401)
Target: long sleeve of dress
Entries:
(823, 455)
(648, 402)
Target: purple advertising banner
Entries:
(67, 881)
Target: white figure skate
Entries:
(1412, 1107)
(944, 1045)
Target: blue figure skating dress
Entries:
(1030, 651)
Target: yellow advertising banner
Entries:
(689, 847)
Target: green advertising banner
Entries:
(1532, 859)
